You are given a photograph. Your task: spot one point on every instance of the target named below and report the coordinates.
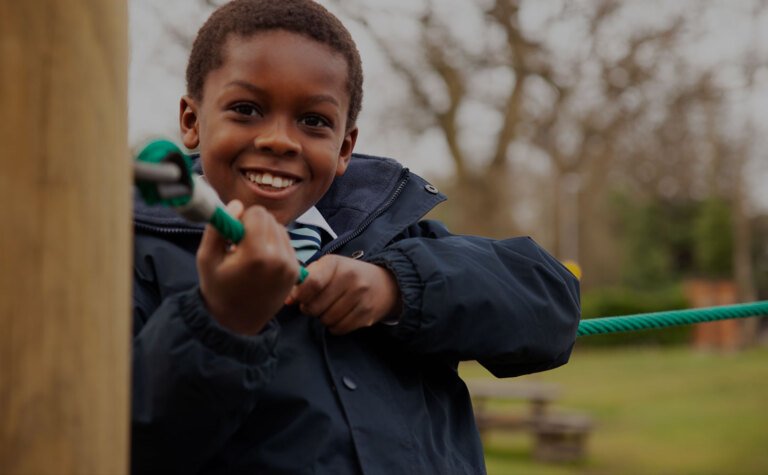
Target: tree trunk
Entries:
(65, 243)
(481, 204)
(742, 259)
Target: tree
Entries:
(552, 106)
(621, 105)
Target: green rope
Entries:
(671, 318)
(228, 226)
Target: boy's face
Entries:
(271, 126)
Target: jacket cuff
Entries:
(411, 288)
(250, 350)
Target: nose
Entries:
(277, 137)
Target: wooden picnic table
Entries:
(538, 395)
(558, 436)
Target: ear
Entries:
(188, 122)
(345, 154)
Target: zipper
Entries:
(404, 177)
(166, 229)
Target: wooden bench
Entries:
(537, 395)
(562, 437)
(558, 437)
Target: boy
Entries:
(239, 370)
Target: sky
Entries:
(157, 66)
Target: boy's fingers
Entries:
(320, 276)
(289, 300)
(213, 246)
(353, 320)
(317, 292)
(337, 311)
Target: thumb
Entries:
(213, 245)
(235, 208)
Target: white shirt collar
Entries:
(312, 216)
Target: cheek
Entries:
(217, 150)
(330, 172)
(217, 171)
(332, 165)
(324, 175)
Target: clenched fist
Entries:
(244, 285)
(347, 294)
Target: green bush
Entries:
(713, 247)
(618, 301)
(664, 241)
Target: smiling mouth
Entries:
(268, 181)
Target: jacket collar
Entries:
(358, 196)
(313, 217)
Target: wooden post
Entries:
(64, 237)
(723, 335)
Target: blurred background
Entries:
(627, 137)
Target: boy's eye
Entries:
(315, 121)
(246, 109)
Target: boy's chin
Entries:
(286, 217)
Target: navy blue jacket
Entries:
(383, 400)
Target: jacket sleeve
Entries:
(505, 303)
(193, 380)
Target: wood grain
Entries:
(64, 237)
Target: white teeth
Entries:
(268, 179)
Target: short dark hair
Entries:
(248, 17)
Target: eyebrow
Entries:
(257, 90)
(245, 85)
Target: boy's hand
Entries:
(346, 294)
(244, 285)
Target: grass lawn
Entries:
(657, 411)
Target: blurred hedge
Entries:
(617, 301)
